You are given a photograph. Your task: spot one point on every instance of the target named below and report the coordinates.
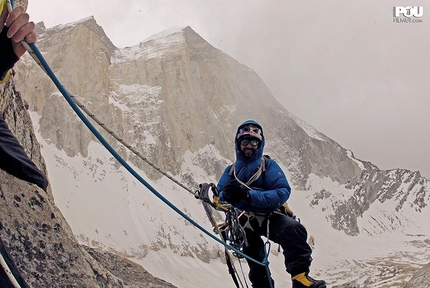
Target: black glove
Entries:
(234, 192)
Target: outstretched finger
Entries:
(25, 32)
(17, 18)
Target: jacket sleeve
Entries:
(8, 57)
(276, 191)
(224, 180)
(15, 161)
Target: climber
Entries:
(14, 28)
(261, 194)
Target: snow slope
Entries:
(107, 208)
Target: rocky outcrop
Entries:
(421, 279)
(13, 109)
(41, 242)
(35, 232)
(132, 274)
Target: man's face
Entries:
(248, 147)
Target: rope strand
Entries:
(40, 60)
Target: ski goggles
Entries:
(250, 130)
(253, 142)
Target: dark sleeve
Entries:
(15, 161)
(224, 180)
(8, 57)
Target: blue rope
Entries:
(266, 261)
(44, 65)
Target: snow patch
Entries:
(311, 131)
(351, 156)
(152, 47)
(108, 208)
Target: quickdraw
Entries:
(234, 233)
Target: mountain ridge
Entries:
(180, 103)
(172, 101)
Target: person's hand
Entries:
(233, 192)
(20, 28)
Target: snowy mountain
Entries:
(178, 100)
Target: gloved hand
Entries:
(233, 192)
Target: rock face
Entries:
(36, 233)
(172, 85)
(421, 279)
(134, 275)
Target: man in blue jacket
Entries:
(259, 187)
(14, 28)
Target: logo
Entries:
(408, 14)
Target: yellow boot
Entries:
(302, 280)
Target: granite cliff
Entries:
(36, 233)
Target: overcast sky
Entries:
(344, 67)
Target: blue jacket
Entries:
(269, 191)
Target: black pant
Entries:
(285, 231)
(15, 161)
